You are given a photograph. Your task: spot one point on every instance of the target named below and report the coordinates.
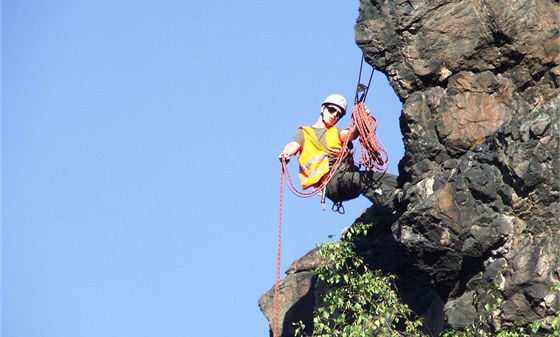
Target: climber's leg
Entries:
(346, 184)
(379, 188)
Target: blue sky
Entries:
(140, 179)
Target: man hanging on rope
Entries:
(319, 147)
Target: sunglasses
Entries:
(331, 109)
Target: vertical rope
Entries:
(279, 254)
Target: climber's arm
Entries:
(352, 133)
(289, 150)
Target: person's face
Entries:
(331, 115)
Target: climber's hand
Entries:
(284, 157)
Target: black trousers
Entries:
(349, 182)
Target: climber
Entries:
(319, 146)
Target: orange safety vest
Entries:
(313, 157)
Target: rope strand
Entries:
(279, 253)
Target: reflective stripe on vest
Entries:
(313, 158)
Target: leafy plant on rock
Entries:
(358, 301)
(361, 302)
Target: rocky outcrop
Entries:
(479, 82)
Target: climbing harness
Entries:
(373, 155)
(338, 207)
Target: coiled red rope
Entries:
(373, 153)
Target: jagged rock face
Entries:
(479, 82)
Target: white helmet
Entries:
(338, 100)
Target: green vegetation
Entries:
(361, 302)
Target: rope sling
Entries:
(373, 156)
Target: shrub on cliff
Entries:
(358, 301)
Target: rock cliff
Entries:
(479, 82)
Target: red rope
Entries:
(294, 189)
(373, 153)
(279, 252)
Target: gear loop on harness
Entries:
(338, 207)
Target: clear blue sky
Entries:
(140, 179)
